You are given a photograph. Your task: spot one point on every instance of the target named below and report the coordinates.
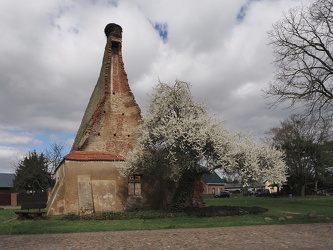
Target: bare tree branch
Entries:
(302, 45)
(55, 154)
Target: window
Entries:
(134, 185)
(213, 190)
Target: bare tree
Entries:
(302, 45)
(55, 154)
(307, 147)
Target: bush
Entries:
(211, 211)
(71, 217)
(144, 215)
(219, 211)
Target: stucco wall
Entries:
(89, 186)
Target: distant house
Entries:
(7, 195)
(234, 187)
(273, 188)
(212, 183)
(6, 182)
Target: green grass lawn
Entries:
(296, 207)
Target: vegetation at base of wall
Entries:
(184, 190)
(143, 215)
(71, 217)
(211, 211)
(296, 207)
(215, 211)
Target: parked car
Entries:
(248, 193)
(222, 195)
(261, 193)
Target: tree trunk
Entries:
(303, 190)
(197, 193)
(184, 190)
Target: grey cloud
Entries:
(51, 54)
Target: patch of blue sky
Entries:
(108, 2)
(112, 3)
(73, 30)
(162, 29)
(242, 12)
(38, 141)
(50, 138)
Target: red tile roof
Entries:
(93, 156)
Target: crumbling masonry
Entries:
(90, 178)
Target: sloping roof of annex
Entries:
(213, 179)
(6, 180)
(94, 156)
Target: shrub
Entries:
(71, 217)
(211, 211)
(144, 215)
(218, 211)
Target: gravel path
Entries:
(296, 236)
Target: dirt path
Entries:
(301, 236)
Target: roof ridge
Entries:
(94, 156)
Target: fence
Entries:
(31, 198)
(5, 199)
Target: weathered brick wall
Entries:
(13, 199)
(112, 115)
(108, 126)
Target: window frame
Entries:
(134, 185)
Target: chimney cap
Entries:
(113, 30)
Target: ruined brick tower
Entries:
(90, 177)
(112, 113)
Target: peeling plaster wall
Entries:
(108, 188)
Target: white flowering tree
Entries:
(253, 161)
(180, 141)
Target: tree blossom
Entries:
(179, 138)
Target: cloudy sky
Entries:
(51, 53)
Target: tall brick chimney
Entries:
(112, 114)
(90, 178)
